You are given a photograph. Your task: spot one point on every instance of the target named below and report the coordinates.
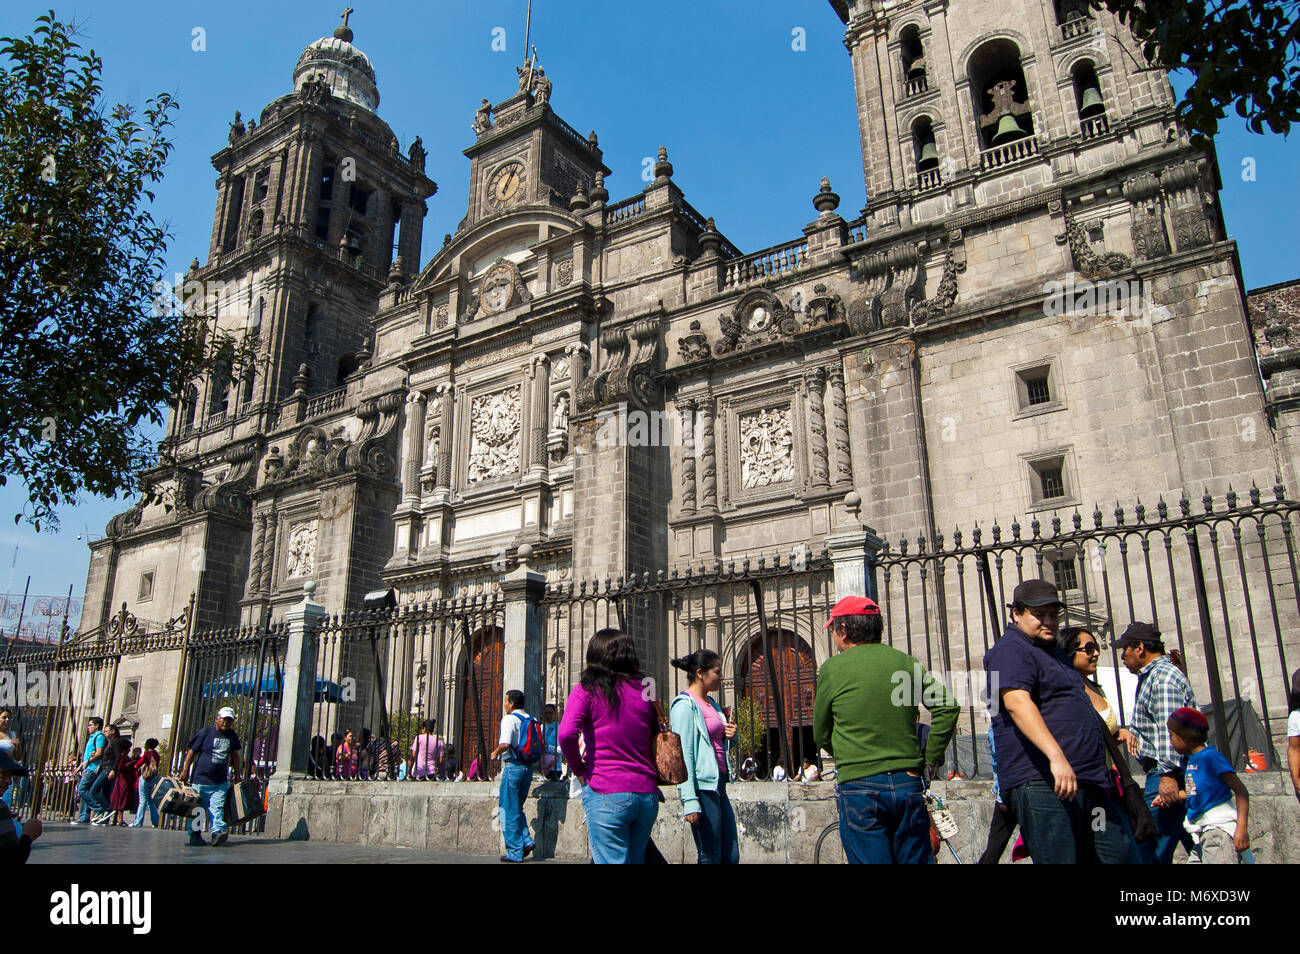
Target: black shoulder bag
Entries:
(1135, 803)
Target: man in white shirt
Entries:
(516, 777)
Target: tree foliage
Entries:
(1242, 55)
(88, 354)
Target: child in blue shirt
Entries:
(1217, 803)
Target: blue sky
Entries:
(750, 123)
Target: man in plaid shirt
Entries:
(1162, 688)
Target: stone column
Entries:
(268, 549)
(446, 395)
(690, 448)
(523, 589)
(817, 450)
(540, 373)
(299, 689)
(853, 556)
(708, 461)
(720, 443)
(259, 542)
(414, 450)
(840, 423)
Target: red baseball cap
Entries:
(853, 606)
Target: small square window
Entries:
(146, 586)
(131, 702)
(1048, 481)
(1066, 573)
(1036, 389)
(1039, 391)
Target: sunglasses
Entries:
(1089, 648)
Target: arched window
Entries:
(347, 367)
(247, 396)
(219, 402)
(1001, 95)
(1088, 98)
(311, 330)
(926, 153)
(914, 77)
(259, 310)
(189, 407)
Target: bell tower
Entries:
(318, 209)
(951, 93)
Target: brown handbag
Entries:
(667, 751)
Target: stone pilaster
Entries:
(708, 460)
(414, 449)
(690, 448)
(840, 427)
(299, 688)
(524, 622)
(815, 381)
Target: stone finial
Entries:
(194, 265)
(826, 201)
(446, 239)
(343, 31)
(591, 139)
(599, 194)
(853, 503)
(579, 200)
(710, 240)
(302, 379)
(663, 168)
(524, 554)
(309, 591)
(397, 271)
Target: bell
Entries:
(916, 68)
(1090, 104)
(929, 157)
(354, 245)
(1008, 129)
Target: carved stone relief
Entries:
(301, 557)
(766, 448)
(494, 435)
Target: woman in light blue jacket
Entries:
(705, 732)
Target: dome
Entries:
(346, 69)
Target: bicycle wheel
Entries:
(829, 850)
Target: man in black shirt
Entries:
(214, 753)
(15, 840)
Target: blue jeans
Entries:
(87, 791)
(213, 799)
(515, 781)
(619, 824)
(715, 835)
(1169, 822)
(147, 785)
(1087, 829)
(883, 820)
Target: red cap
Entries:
(853, 606)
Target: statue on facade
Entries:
(541, 88)
(483, 118)
(236, 129)
(417, 153)
(560, 419)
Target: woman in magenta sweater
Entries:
(611, 711)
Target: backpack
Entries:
(532, 743)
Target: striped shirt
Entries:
(1162, 688)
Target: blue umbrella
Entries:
(239, 682)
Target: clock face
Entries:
(506, 186)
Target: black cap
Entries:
(1143, 633)
(7, 764)
(1036, 593)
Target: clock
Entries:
(506, 186)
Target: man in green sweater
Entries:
(864, 715)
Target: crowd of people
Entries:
(1060, 754)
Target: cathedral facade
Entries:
(1037, 309)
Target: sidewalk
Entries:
(86, 844)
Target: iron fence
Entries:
(1219, 581)
(383, 676)
(763, 617)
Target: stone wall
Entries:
(779, 822)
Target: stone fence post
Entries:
(298, 694)
(853, 555)
(524, 632)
